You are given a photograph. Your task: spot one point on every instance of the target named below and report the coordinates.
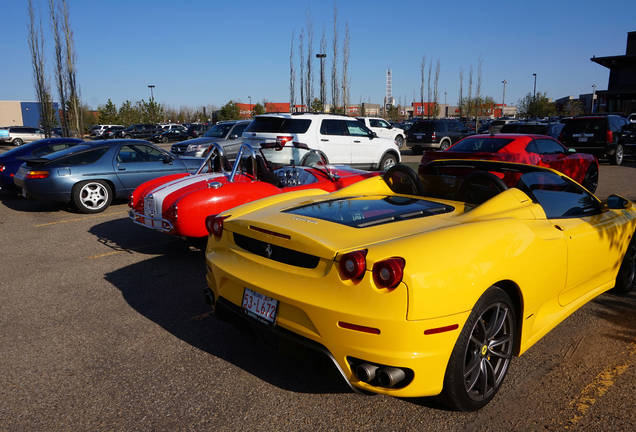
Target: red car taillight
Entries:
(433, 137)
(353, 264)
(610, 136)
(2, 168)
(37, 174)
(281, 140)
(214, 225)
(388, 273)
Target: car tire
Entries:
(401, 179)
(399, 141)
(444, 144)
(471, 379)
(617, 157)
(17, 142)
(590, 181)
(164, 139)
(388, 160)
(92, 196)
(127, 136)
(626, 277)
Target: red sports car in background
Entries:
(537, 150)
(179, 204)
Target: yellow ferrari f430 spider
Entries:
(419, 285)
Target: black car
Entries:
(141, 130)
(171, 135)
(437, 134)
(112, 132)
(602, 135)
(534, 128)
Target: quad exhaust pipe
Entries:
(384, 376)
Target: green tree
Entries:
(229, 111)
(151, 112)
(259, 109)
(316, 105)
(107, 114)
(539, 106)
(128, 114)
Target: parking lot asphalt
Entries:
(104, 327)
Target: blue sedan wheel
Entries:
(92, 196)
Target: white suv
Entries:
(344, 140)
(384, 129)
(18, 135)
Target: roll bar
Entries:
(216, 151)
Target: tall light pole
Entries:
(534, 91)
(249, 98)
(152, 96)
(593, 98)
(322, 56)
(503, 97)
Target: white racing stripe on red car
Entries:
(161, 192)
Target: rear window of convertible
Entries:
(486, 145)
(365, 212)
(278, 125)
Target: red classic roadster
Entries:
(178, 204)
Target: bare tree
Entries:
(423, 73)
(292, 75)
(345, 68)
(335, 90)
(460, 104)
(42, 89)
(436, 90)
(309, 82)
(428, 86)
(470, 91)
(60, 77)
(73, 91)
(478, 95)
(301, 54)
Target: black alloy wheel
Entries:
(590, 181)
(481, 356)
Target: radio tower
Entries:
(388, 98)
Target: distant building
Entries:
(279, 107)
(371, 110)
(620, 95)
(19, 113)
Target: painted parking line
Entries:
(77, 219)
(599, 387)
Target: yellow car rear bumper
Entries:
(400, 343)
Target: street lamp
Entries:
(503, 97)
(593, 98)
(534, 91)
(249, 98)
(322, 56)
(152, 96)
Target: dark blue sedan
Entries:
(91, 174)
(11, 160)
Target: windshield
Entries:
(219, 130)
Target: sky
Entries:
(208, 52)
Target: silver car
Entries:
(227, 134)
(18, 135)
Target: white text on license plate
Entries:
(582, 139)
(259, 306)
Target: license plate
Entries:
(582, 139)
(258, 306)
(419, 136)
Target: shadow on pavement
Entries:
(168, 290)
(123, 235)
(16, 202)
(619, 311)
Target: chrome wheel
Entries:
(92, 196)
(387, 162)
(488, 352)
